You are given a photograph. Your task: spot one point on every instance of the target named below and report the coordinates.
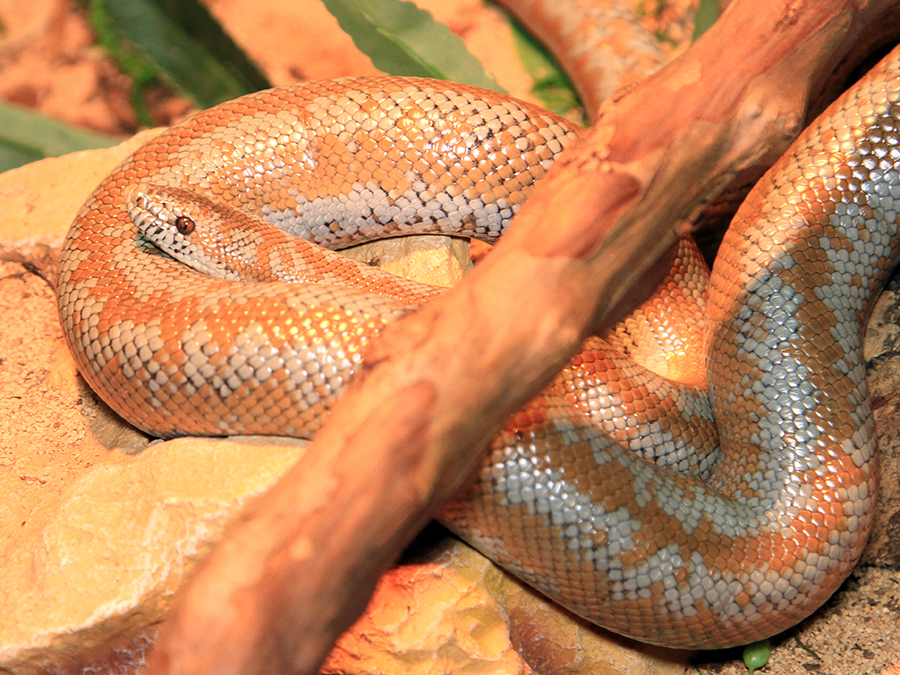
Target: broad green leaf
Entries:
(131, 61)
(12, 157)
(26, 136)
(402, 39)
(187, 46)
(705, 16)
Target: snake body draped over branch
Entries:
(727, 551)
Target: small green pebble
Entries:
(756, 655)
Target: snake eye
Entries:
(185, 225)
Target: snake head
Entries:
(192, 229)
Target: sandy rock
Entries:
(450, 610)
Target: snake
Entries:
(592, 493)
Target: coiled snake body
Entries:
(729, 548)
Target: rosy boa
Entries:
(735, 547)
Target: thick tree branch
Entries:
(299, 568)
(601, 44)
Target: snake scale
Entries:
(717, 551)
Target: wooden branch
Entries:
(601, 44)
(300, 566)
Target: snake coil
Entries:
(718, 553)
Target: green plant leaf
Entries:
(756, 655)
(187, 46)
(402, 39)
(706, 15)
(131, 61)
(26, 136)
